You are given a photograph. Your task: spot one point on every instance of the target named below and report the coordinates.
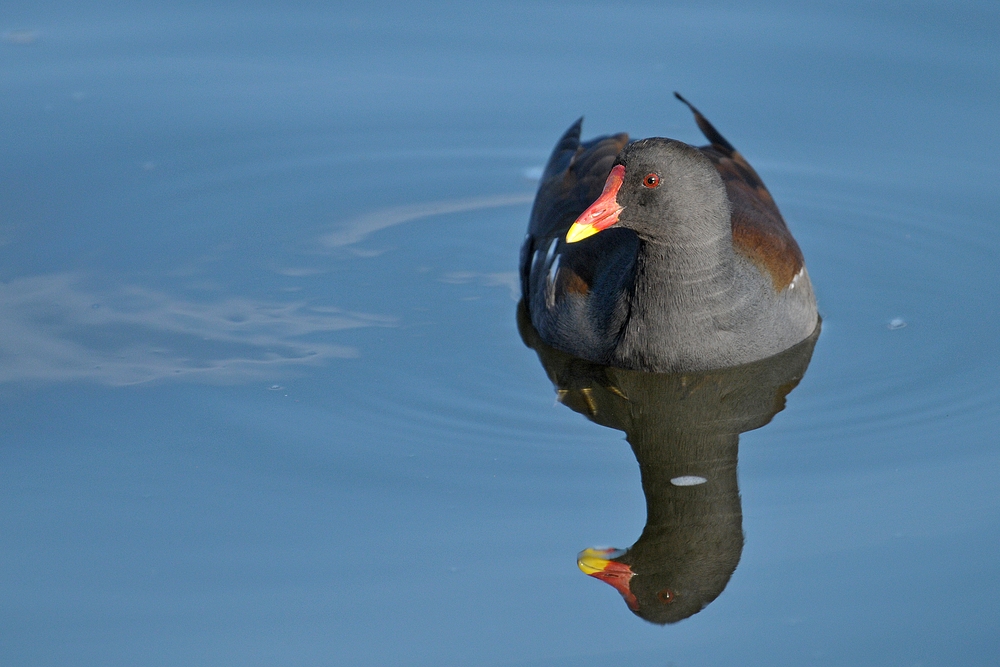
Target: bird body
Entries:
(659, 256)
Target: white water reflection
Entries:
(356, 229)
(53, 328)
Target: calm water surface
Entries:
(263, 395)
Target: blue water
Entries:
(263, 397)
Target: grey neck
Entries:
(681, 292)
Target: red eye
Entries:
(651, 180)
(666, 596)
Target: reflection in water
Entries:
(353, 231)
(54, 329)
(684, 431)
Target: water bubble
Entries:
(896, 323)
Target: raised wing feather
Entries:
(759, 231)
(572, 181)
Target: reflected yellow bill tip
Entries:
(592, 561)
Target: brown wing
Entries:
(759, 231)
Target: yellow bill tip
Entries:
(592, 564)
(592, 561)
(578, 232)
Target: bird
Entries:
(659, 256)
(684, 430)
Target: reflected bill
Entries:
(684, 431)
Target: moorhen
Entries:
(655, 255)
(684, 430)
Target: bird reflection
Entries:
(684, 431)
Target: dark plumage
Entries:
(684, 430)
(693, 267)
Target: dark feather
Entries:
(759, 231)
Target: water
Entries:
(262, 390)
